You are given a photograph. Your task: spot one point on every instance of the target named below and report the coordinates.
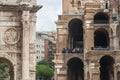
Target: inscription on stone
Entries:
(9, 48)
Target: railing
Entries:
(72, 51)
(100, 48)
(101, 22)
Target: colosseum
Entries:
(88, 40)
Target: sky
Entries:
(48, 14)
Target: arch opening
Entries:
(118, 75)
(6, 69)
(75, 69)
(76, 34)
(101, 18)
(101, 38)
(107, 68)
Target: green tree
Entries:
(43, 62)
(3, 73)
(44, 71)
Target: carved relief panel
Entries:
(10, 40)
(11, 36)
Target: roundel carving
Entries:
(11, 36)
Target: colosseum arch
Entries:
(101, 38)
(75, 29)
(107, 68)
(101, 18)
(11, 65)
(75, 69)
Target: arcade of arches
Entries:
(76, 39)
(96, 33)
(75, 68)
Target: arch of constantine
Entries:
(88, 36)
(17, 37)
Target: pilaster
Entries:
(115, 38)
(89, 35)
(25, 45)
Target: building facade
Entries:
(88, 37)
(17, 37)
(45, 46)
(40, 47)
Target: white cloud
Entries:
(48, 14)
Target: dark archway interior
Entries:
(101, 18)
(118, 75)
(75, 69)
(101, 38)
(107, 68)
(7, 67)
(76, 33)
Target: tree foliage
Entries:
(43, 62)
(44, 71)
(3, 73)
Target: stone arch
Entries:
(107, 67)
(101, 18)
(11, 65)
(75, 69)
(76, 56)
(75, 31)
(101, 38)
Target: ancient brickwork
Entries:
(90, 27)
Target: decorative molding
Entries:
(10, 48)
(32, 48)
(19, 7)
(4, 24)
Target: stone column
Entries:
(116, 43)
(32, 53)
(115, 38)
(25, 45)
(55, 77)
(111, 42)
(115, 73)
(86, 70)
(89, 35)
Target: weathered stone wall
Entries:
(17, 37)
(90, 57)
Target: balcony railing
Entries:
(100, 48)
(72, 51)
(101, 22)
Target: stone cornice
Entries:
(20, 7)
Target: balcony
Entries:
(101, 22)
(100, 48)
(73, 51)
